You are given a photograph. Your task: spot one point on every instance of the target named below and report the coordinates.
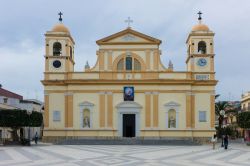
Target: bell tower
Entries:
(59, 50)
(200, 50)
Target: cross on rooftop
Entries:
(199, 18)
(60, 16)
(128, 21)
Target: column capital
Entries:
(190, 93)
(68, 94)
(109, 93)
(101, 93)
(46, 93)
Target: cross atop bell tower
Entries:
(199, 13)
(60, 16)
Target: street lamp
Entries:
(222, 113)
(29, 112)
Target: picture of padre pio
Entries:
(128, 93)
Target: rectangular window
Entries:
(202, 116)
(5, 100)
(56, 116)
(128, 63)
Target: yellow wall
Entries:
(56, 103)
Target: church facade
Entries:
(129, 92)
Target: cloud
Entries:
(21, 69)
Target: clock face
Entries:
(202, 62)
(57, 64)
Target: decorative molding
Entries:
(128, 104)
(86, 104)
(172, 104)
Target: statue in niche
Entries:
(86, 122)
(171, 122)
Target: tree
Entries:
(221, 105)
(244, 120)
(16, 119)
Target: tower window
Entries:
(57, 49)
(202, 47)
(70, 51)
(128, 63)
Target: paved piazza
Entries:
(129, 155)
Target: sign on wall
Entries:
(128, 93)
(202, 76)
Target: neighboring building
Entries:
(245, 106)
(129, 92)
(10, 101)
(230, 117)
(8, 98)
(245, 101)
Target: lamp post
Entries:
(29, 113)
(222, 113)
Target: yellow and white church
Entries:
(129, 92)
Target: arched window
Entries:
(172, 118)
(86, 118)
(57, 49)
(202, 47)
(128, 63)
(70, 52)
(137, 65)
(120, 65)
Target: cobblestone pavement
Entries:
(124, 155)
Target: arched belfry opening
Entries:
(202, 48)
(57, 49)
(71, 52)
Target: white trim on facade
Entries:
(86, 105)
(128, 107)
(172, 106)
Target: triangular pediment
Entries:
(128, 36)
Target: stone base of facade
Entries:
(168, 137)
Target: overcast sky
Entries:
(23, 24)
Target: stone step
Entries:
(130, 141)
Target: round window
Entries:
(57, 64)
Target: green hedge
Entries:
(20, 118)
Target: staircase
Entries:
(126, 141)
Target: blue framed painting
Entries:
(128, 93)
